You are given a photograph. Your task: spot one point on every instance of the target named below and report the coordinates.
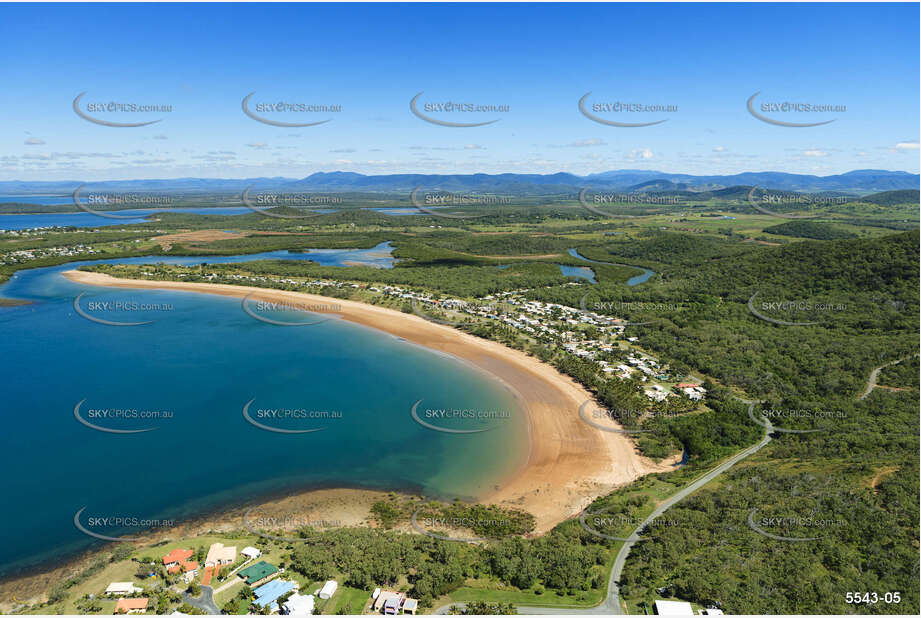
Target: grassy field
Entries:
(347, 600)
(481, 591)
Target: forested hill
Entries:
(861, 295)
(839, 266)
(853, 307)
(817, 230)
(888, 198)
(855, 183)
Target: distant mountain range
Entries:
(857, 182)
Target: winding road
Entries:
(874, 375)
(611, 604)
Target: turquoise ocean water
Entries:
(201, 360)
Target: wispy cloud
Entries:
(644, 153)
(586, 143)
(582, 143)
(815, 153)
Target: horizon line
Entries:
(624, 170)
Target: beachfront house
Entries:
(131, 606)
(218, 555)
(328, 589)
(122, 588)
(258, 573)
(298, 605)
(175, 558)
(177, 561)
(267, 594)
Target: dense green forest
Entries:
(568, 559)
(891, 198)
(809, 378)
(816, 230)
(799, 327)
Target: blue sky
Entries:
(538, 60)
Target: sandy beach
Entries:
(569, 462)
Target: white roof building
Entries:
(298, 605)
(251, 552)
(328, 589)
(218, 554)
(122, 588)
(672, 608)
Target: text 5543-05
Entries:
(871, 598)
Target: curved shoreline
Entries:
(569, 463)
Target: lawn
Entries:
(349, 600)
(96, 584)
(582, 599)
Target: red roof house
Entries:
(176, 557)
(131, 606)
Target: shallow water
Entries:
(202, 359)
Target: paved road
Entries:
(611, 604)
(205, 602)
(871, 383)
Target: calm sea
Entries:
(188, 375)
(86, 219)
